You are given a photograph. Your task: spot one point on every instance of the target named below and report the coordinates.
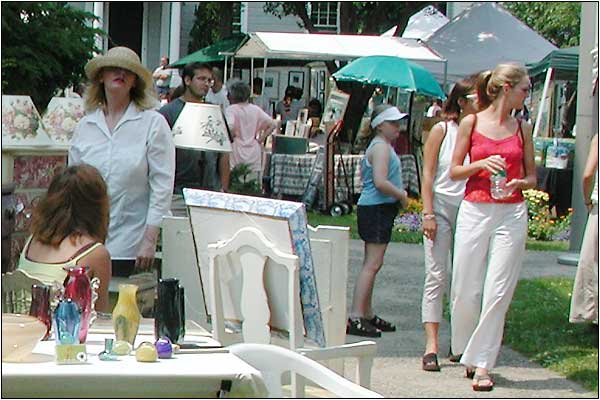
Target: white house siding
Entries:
(259, 21)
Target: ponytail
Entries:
(482, 89)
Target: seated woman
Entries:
(68, 229)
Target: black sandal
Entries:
(361, 327)
(430, 362)
(469, 373)
(382, 324)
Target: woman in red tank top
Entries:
(491, 231)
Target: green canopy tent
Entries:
(564, 61)
(216, 52)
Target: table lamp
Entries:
(21, 124)
(61, 117)
(202, 127)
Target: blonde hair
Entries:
(94, 97)
(491, 82)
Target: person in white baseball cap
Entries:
(382, 195)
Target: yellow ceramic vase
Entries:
(126, 315)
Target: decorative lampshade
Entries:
(202, 127)
(21, 124)
(60, 118)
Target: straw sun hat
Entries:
(121, 57)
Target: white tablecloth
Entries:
(184, 375)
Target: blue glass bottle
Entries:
(67, 321)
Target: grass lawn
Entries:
(316, 218)
(537, 326)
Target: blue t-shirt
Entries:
(370, 194)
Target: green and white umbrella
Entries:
(391, 71)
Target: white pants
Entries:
(438, 259)
(488, 255)
(584, 302)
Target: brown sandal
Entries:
(430, 362)
(482, 388)
(469, 373)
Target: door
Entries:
(125, 25)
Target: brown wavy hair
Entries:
(76, 204)
(451, 109)
(490, 83)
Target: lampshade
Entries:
(202, 127)
(60, 118)
(21, 125)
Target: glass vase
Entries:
(126, 314)
(167, 315)
(67, 322)
(79, 289)
(40, 306)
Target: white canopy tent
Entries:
(423, 24)
(483, 36)
(328, 47)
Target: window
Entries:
(323, 14)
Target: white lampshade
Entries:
(21, 124)
(202, 127)
(60, 118)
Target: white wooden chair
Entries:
(16, 291)
(250, 249)
(330, 246)
(274, 361)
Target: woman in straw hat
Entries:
(131, 145)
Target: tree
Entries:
(363, 17)
(45, 46)
(557, 22)
(214, 22)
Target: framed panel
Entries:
(218, 216)
(296, 78)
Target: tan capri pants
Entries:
(438, 259)
(488, 255)
(584, 302)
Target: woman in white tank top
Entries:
(441, 198)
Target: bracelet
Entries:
(428, 216)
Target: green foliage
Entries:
(45, 46)
(366, 17)
(214, 22)
(557, 22)
(242, 181)
(542, 226)
(537, 325)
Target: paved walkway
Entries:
(397, 367)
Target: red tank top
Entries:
(511, 149)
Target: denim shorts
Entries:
(375, 222)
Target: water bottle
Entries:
(498, 185)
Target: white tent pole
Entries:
(264, 81)
(543, 103)
(445, 75)
(232, 64)
(252, 75)
(225, 71)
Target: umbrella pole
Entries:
(252, 75)
(225, 69)
(410, 119)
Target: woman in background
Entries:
(68, 229)
(441, 199)
(584, 302)
(377, 208)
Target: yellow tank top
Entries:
(52, 272)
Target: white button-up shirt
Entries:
(137, 161)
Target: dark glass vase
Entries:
(168, 312)
(79, 289)
(40, 306)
